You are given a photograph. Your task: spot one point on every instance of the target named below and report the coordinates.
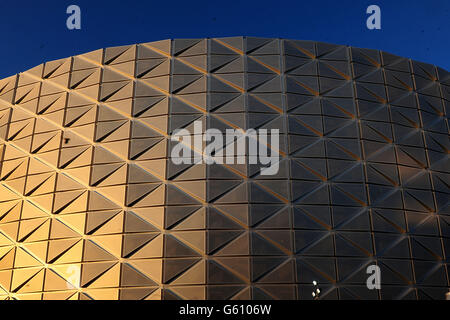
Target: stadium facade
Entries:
(93, 207)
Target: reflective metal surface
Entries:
(92, 207)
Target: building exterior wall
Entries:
(93, 207)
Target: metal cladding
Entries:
(92, 206)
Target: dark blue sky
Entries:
(35, 31)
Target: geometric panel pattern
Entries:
(92, 207)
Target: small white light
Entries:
(318, 291)
(314, 283)
(313, 294)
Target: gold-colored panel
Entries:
(92, 205)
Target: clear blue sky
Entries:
(33, 32)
